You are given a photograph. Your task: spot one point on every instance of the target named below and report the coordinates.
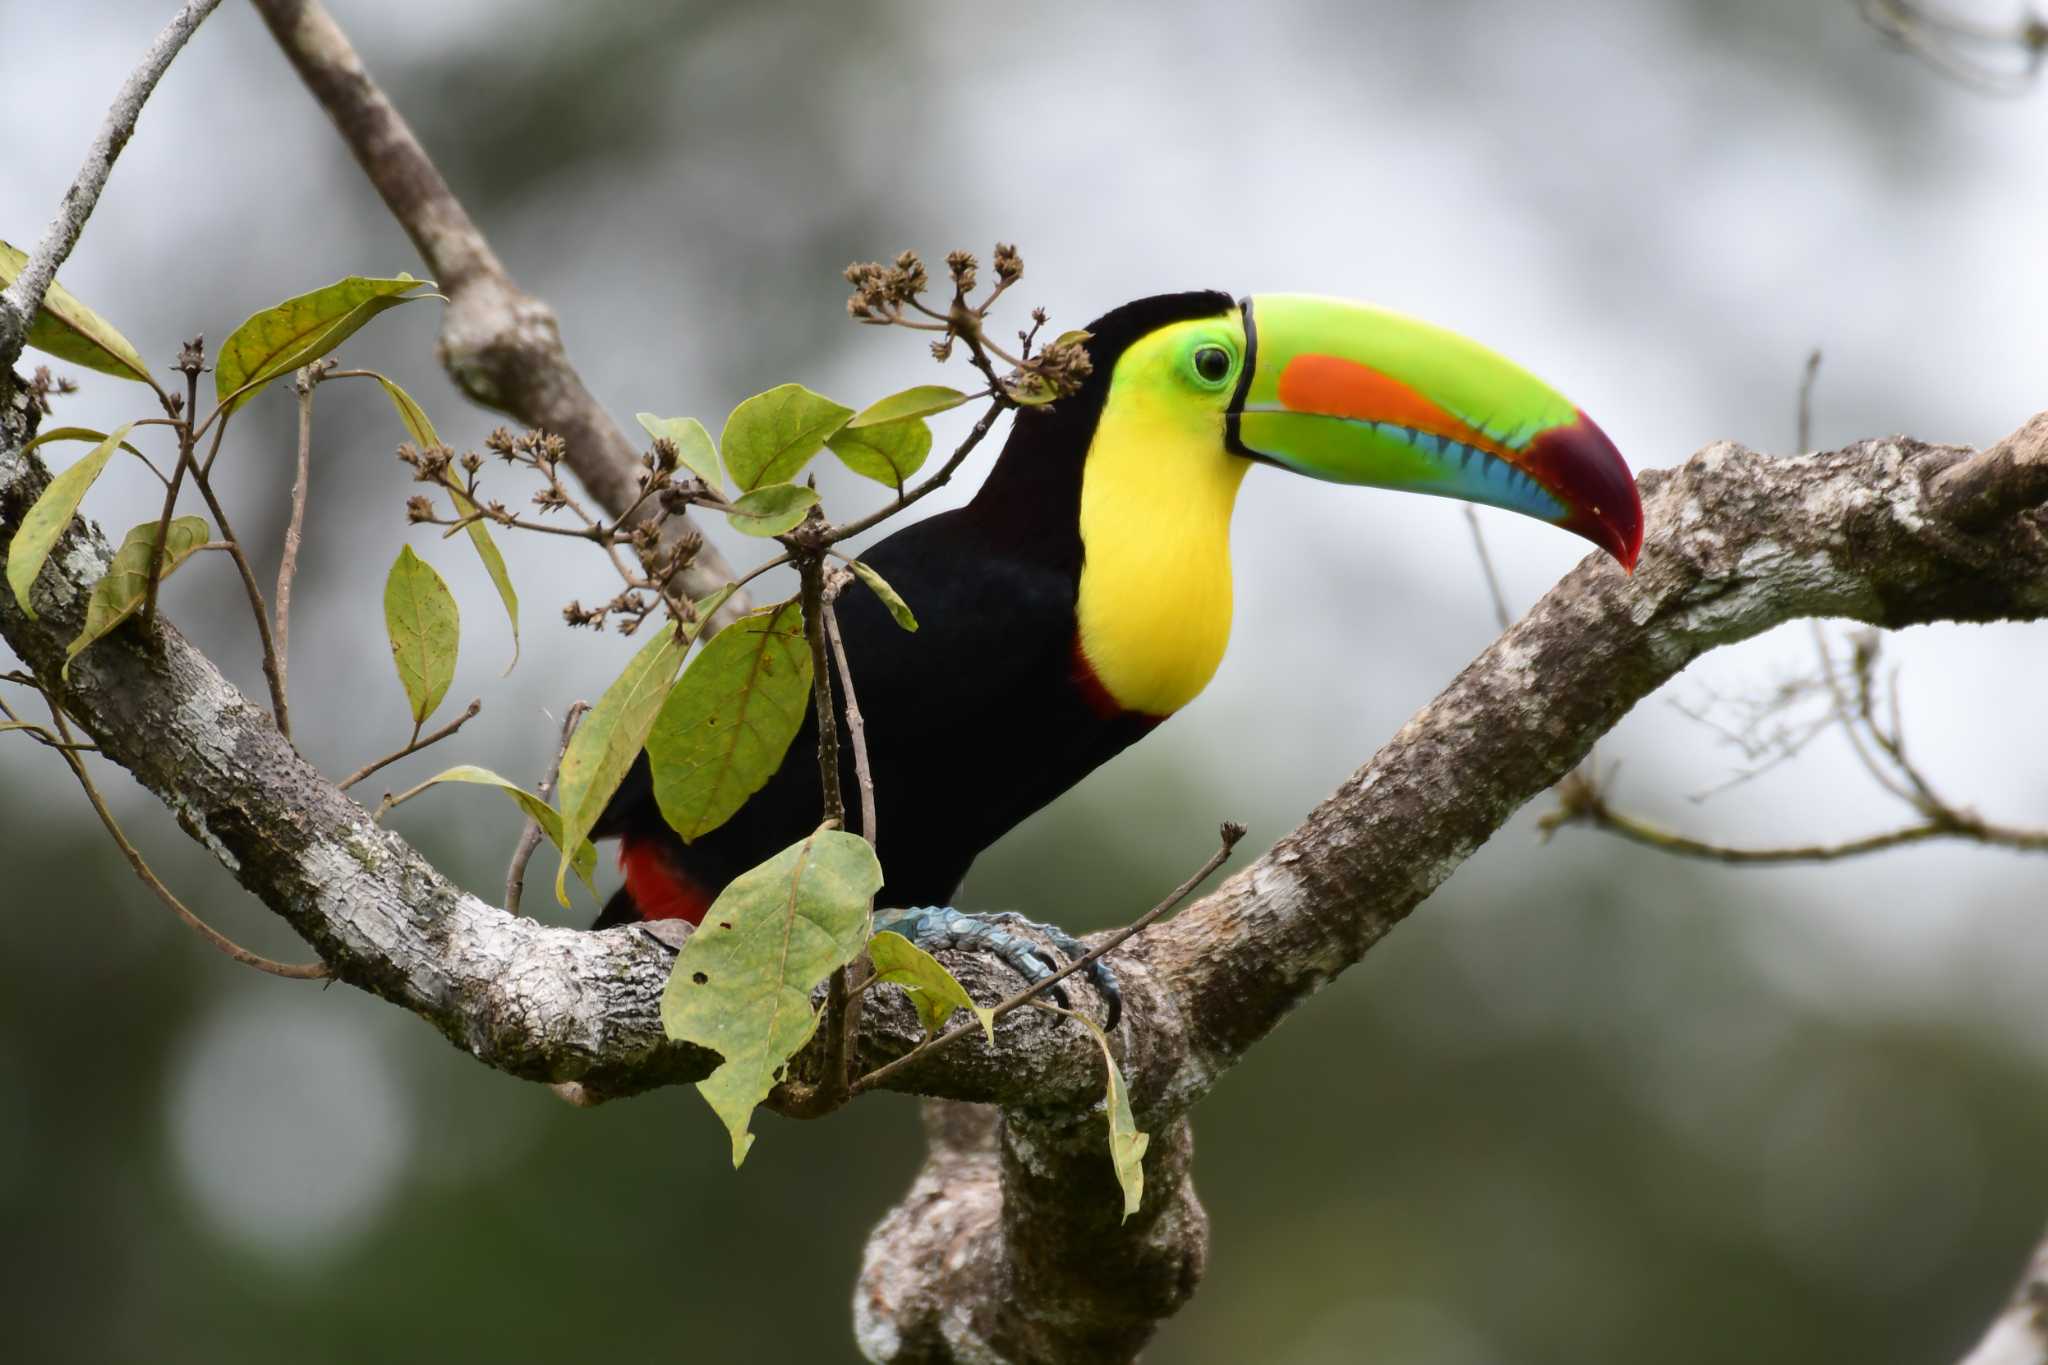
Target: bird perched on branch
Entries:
(1084, 595)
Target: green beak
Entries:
(1354, 394)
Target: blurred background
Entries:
(1590, 1104)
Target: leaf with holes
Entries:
(771, 509)
(119, 593)
(888, 454)
(45, 521)
(934, 992)
(728, 723)
(300, 330)
(425, 631)
(879, 586)
(922, 401)
(693, 445)
(67, 329)
(742, 984)
(544, 815)
(601, 752)
(414, 418)
(773, 435)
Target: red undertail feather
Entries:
(659, 890)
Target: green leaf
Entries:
(773, 435)
(52, 512)
(117, 596)
(67, 329)
(922, 401)
(708, 605)
(300, 330)
(75, 434)
(414, 418)
(425, 631)
(933, 990)
(693, 444)
(611, 736)
(771, 509)
(889, 454)
(1126, 1144)
(742, 983)
(879, 586)
(549, 820)
(728, 723)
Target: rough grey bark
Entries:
(996, 1256)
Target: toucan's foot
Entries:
(937, 927)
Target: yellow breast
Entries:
(1156, 497)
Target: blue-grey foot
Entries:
(937, 927)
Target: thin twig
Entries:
(1231, 833)
(1806, 380)
(68, 750)
(414, 745)
(1500, 600)
(272, 673)
(996, 408)
(288, 564)
(530, 836)
(190, 364)
(856, 727)
(19, 303)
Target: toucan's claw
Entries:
(936, 928)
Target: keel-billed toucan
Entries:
(1084, 594)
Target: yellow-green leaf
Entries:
(300, 330)
(692, 443)
(117, 596)
(771, 509)
(889, 454)
(879, 586)
(728, 723)
(52, 512)
(67, 329)
(742, 984)
(425, 631)
(417, 425)
(934, 992)
(611, 736)
(922, 401)
(1126, 1144)
(549, 820)
(55, 434)
(773, 435)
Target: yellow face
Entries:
(1157, 492)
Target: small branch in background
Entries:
(413, 746)
(1879, 744)
(68, 748)
(530, 836)
(1806, 382)
(19, 303)
(1230, 833)
(1501, 614)
(303, 383)
(273, 674)
(1994, 59)
(500, 345)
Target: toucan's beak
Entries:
(1354, 394)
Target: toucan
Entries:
(1084, 594)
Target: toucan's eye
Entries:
(1212, 363)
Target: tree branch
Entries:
(19, 303)
(499, 344)
(2019, 1335)
(1738, 542)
